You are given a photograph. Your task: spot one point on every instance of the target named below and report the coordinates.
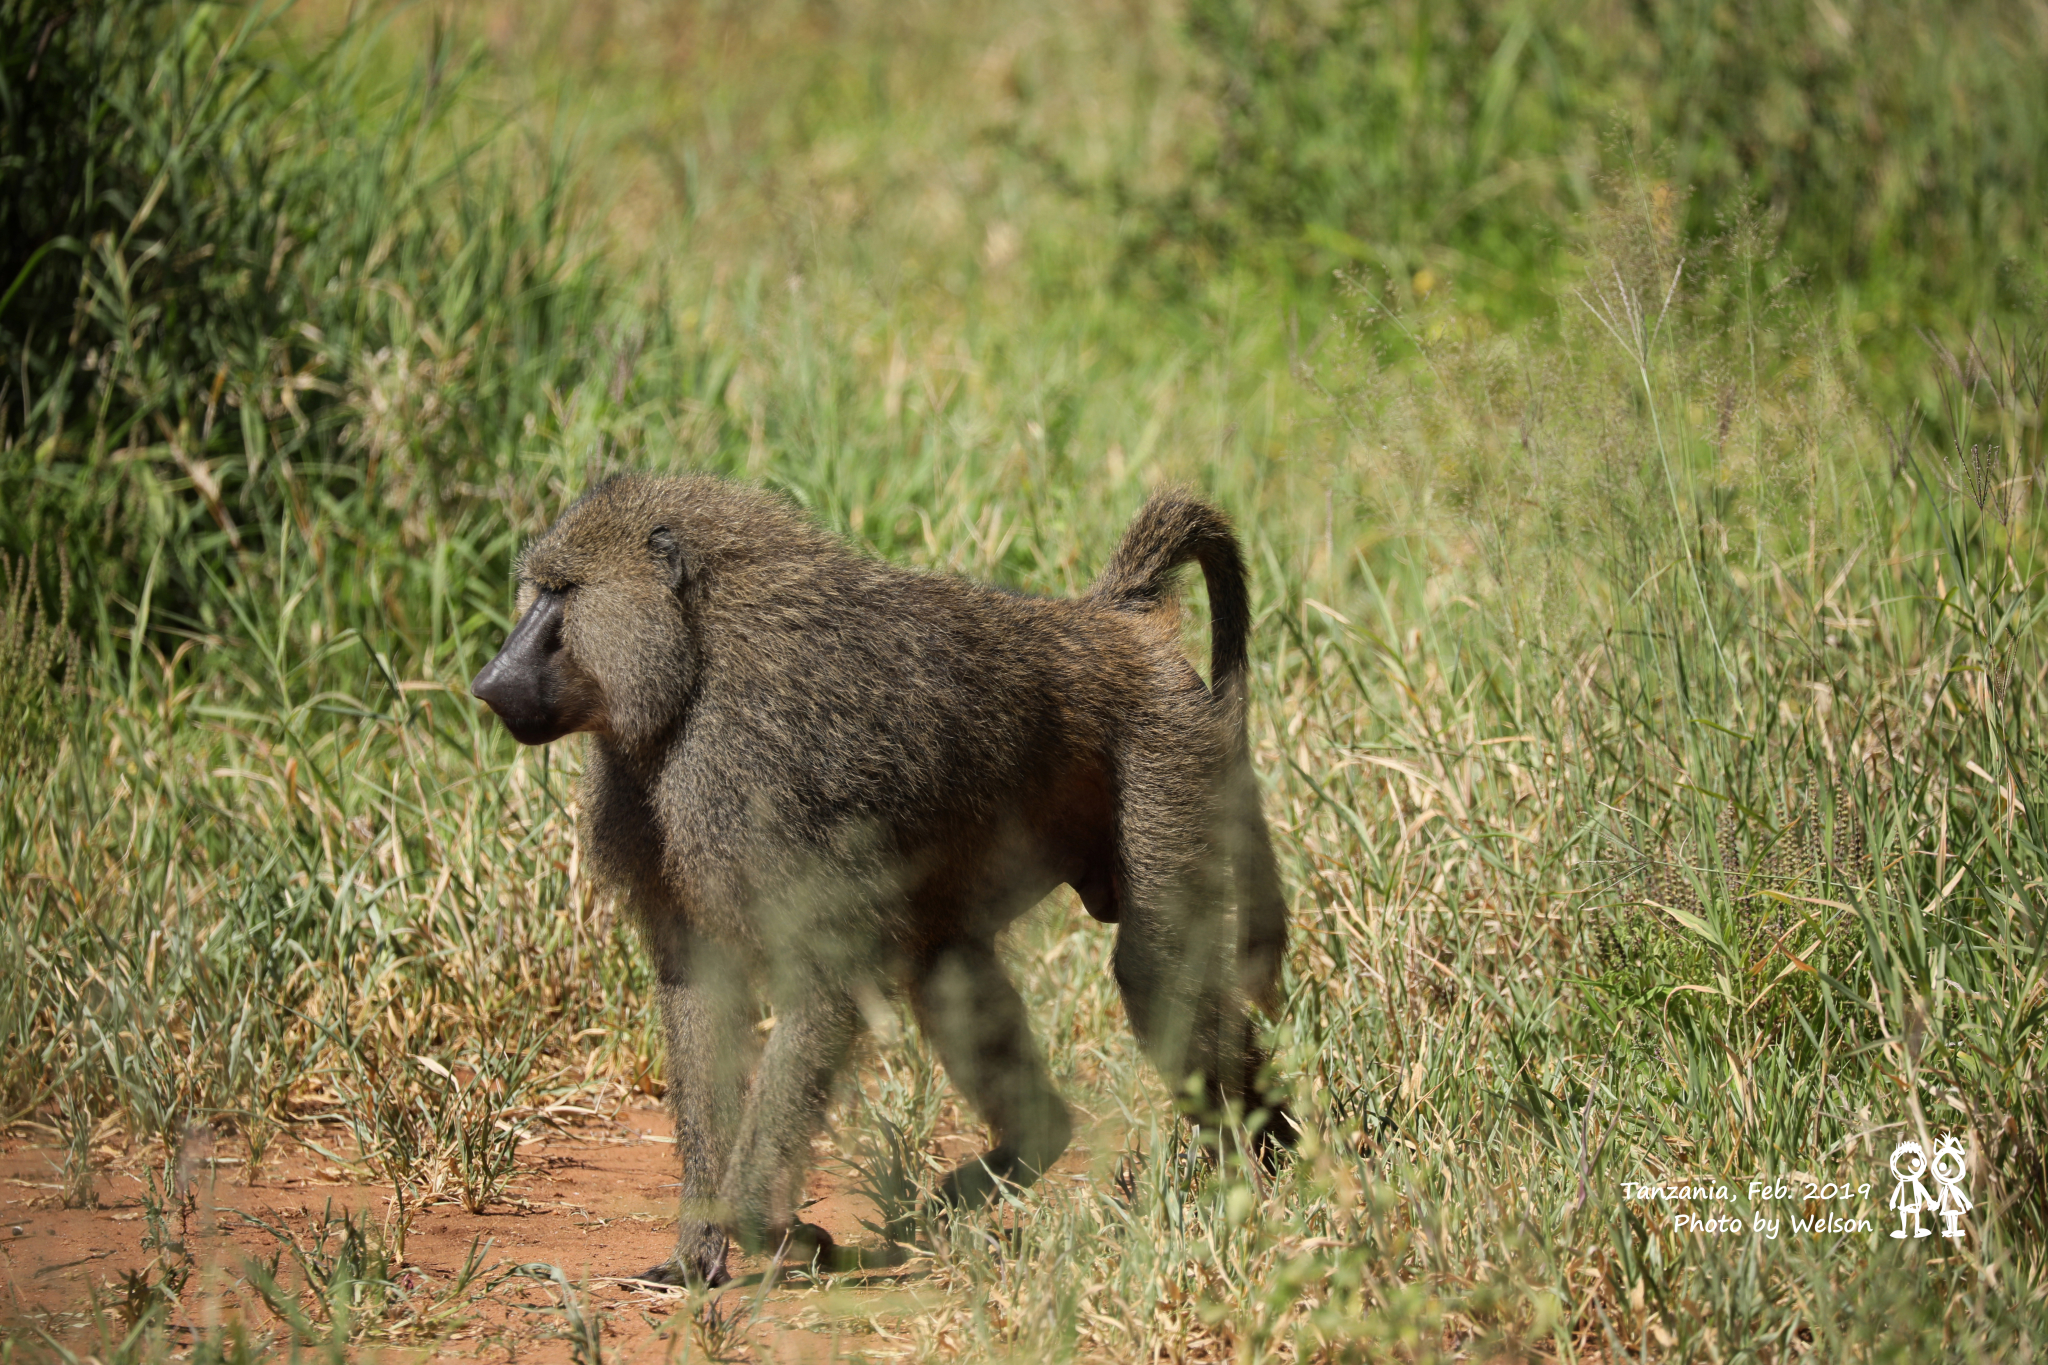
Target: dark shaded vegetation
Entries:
(252, 281)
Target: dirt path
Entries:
(594, 1202)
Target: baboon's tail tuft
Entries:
(1173, 529)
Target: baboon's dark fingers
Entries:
(1254, 1124)
(807, 1241)
(685, 1275)
(972, 1182)
(1274, 1131)
(809, 1247)
(842, 1260)
(907, 1229)
(699, 1257)
(1267, 1116)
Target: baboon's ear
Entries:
(662, 544)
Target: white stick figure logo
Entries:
(1909, 1163)
(1951, 1163)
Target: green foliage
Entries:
(582, 1327)
(1893, 145)
(344, 1280)
(258, 281)
(427, 1130)
(38, 661)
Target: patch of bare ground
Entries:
(595, 1202)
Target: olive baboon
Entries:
(816, 777)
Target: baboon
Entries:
(817, 778)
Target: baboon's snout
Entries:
(524, 683)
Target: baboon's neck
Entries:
(633, 766)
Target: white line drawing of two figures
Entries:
(1910, 1197)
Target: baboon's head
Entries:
(604, 641)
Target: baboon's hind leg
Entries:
(976, 1021)
(1176, 965)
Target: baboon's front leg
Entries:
(707, 1015)
(814, 1031)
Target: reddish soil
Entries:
(594, 1201)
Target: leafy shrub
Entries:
(243, 285)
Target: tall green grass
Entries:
(1893, 146)
(265, 283)
(1651, 729)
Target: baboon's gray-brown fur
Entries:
(816, 777)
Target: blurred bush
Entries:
(1899, 147)
(244, 283)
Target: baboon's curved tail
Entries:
(1173, 529)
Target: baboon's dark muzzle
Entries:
(524, 683)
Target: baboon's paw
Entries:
(807, 1244)
(688, 1273)
(1277, 1134)
(974, 1182)
(911, 1230)
(680, 1277)
(839, 1259)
